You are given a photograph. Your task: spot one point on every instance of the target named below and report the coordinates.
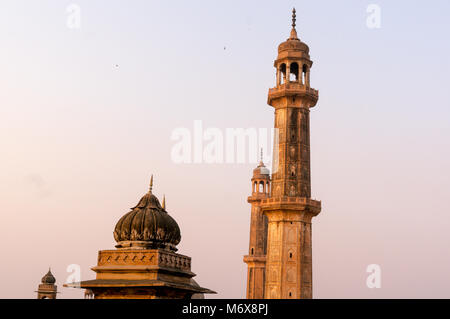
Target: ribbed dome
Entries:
(293, 44)
(147, 225)
(48, 278)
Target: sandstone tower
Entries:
(47, 289)
(289, 209)
(256, 258)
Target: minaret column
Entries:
(256, 258)
(290, 208)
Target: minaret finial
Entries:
(293, 18)
(151, 184)
(261, 154)
(164, 202)
(293, 35)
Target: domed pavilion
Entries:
(145, 264)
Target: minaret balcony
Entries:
(294, 89)
(286, 203)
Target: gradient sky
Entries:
(80, 136)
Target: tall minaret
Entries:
(290, 208)
(256, 258)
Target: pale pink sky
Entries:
(79, 137)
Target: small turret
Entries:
(47, 289)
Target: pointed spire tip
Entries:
(151, 185)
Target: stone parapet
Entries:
(291, 208)
(293, 89)
(147, 257)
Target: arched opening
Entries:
(254, 187)
(282, 73)
(267, 188)
(293, 76)
(252, 251)
(261, 187)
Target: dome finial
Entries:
(293, 18)
(293, 31)
(151, 184)
(261, 163)
(164, 202)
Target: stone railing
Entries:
(172, 260)
(127, 257)
(293, 86)
(143, 257)
(292, 200)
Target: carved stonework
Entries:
(292, 190)
(292, 153)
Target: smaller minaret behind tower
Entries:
(256, 258)
(47, 289)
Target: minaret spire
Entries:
(293, 31)
(294, 16)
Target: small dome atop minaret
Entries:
(293, 43)
(147, 225)
(261, 170)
